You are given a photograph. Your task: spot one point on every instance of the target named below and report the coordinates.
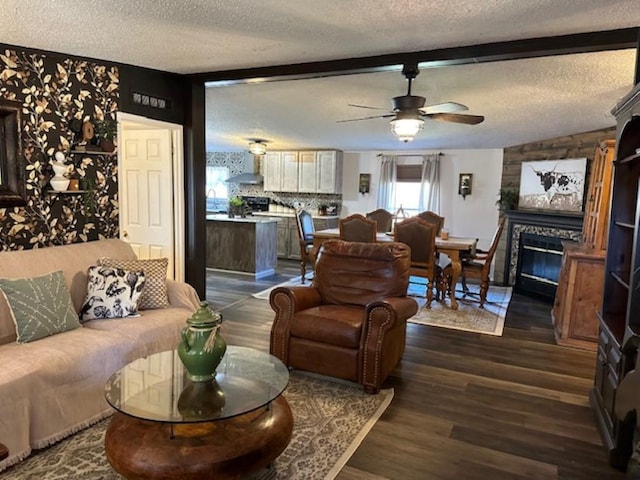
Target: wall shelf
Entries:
(92, 152)
(66, 192)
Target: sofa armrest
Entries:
(285, 302)
(182, 294)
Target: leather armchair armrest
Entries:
(380, 317)
(296, 298)
(285, 302)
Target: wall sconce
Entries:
(464, 184)
(364, 183)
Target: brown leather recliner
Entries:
(351, 322)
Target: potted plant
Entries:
(105, 132)
(507, 198)
(236, 207)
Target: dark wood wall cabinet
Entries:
(620, 313)
(579, 293)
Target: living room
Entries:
(113, 83)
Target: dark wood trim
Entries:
(195, 173)
(488, 52)
(637, 75)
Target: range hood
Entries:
(250, 178)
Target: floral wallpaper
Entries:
(54, 91)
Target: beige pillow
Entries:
(154, 294)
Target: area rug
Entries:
(469, 316)
(331, 418)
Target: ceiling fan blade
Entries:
(367, 118)
(366, 106)
(445, 107)
(456, 117)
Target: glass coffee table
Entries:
(167, 426)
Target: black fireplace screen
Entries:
(539, 262)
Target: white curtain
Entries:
(387, 186)
(430, 186)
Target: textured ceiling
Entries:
(522, 100)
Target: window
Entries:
(408, 180)
(217, 189)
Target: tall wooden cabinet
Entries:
(620, 312)
(579, 292)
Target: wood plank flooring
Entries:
(466, 406)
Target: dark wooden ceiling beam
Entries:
(488, 52)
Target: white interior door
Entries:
(146, 203)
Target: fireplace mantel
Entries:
(557, 225)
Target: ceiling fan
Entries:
(410, 111)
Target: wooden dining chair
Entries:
(383, 218)
(476, 266)
(432, 218)
(304, 222)
(420, 236)
(357, 228)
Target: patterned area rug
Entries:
(331, 418)
(469, 316)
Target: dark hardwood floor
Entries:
(466, 406)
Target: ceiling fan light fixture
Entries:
(257, 148)
(406, 128)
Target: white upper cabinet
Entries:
(306, 171)
(289, 172)
(307, 168)
(272, 171)
(329, 171)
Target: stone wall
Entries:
(571, 146)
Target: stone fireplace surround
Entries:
(546, 224)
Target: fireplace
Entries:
(534, 250)
(539, 261)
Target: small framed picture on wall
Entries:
(364, 183)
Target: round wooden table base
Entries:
(224, 449)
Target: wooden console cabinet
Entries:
(579, 293)
(578, 296)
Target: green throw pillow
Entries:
(40, 306)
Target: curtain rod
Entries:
(440, 154)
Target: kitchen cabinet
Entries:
(306, 171)
(280, 172)
(288, 245)
(620, 313)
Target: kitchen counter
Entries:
(245, 245)
(291, 215)
(223, 217)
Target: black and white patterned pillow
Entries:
(112, 293)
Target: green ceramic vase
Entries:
(202, 346)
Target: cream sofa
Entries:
(53, 387)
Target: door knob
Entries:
(125, 234)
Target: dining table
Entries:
(452, 246)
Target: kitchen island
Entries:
(244, 245)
